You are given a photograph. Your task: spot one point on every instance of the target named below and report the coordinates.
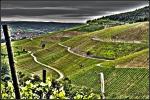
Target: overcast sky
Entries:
(64, 11)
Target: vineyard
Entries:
(121, 32)
(126, 76)
(107, 49)
(32, 87)
(120, 83)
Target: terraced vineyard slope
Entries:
(126, 74)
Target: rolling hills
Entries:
(141, 14)
(126, 76)
(22, 29)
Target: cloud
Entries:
(37, 8)
(64, 10)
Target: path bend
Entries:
(72, 52)
(61, 75)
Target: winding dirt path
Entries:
(61, 75)
(72, 52)
(116, 41)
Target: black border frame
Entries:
(82, 0)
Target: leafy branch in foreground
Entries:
(32, 87)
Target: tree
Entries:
(24, 50)
(88, 53)
(43, 46)
(89, 21)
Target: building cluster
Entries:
(23, 35)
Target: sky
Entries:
(67, 11)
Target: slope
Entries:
(84, 71)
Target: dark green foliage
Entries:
(88, 53)
(142, 19)
(138, 15)
(5, 75)
(24, 50)
(36, 78)
(43, 46)
(18, 53)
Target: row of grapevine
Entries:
(33, 88)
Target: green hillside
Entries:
(133, 32)
(108, 45)
(138, 15)
(82, 62)
(120, 83)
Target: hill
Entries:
(130, 38)
(21, 30)
(83, 56)
(138, 15)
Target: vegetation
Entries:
(141, 14)
(128, 32)
(55, 56)
(121, 82)
(38, 27)
(5, 75)
(31, 87)
(106, 49)
(94, 25)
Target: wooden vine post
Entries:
(44, 76)
(11, 62)
(102, 85)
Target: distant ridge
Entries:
(38, 26)
(28, 29)
(137, 15)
